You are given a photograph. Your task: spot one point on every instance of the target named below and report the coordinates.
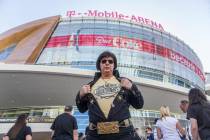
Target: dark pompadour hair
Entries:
(106, 54)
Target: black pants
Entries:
(125, 136)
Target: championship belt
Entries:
(108, 127)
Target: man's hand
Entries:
(75, 134)
(84, 90)
(125, 83)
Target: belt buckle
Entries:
(108, 127)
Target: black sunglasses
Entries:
(109, 61)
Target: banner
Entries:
(123, 42)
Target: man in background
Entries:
(184, 107)
(65, 126)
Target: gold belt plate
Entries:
(108, 127)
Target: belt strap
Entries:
(125, 123)
(92, 126)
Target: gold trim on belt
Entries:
(109, 127)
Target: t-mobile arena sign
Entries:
(116, 15)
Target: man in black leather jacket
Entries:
(107, 98)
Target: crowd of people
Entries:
(107, 99)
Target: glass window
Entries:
(89, 37)
(6, 52)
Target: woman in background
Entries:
(19, 130)
(167, 126)
(199, 114)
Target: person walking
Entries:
(168, 128)
(184, 104)
(19, 131)
(107, 99)
(149, 134)
(199, 114)
(65, 126)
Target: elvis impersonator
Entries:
(107, 99)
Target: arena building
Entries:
(45, 62)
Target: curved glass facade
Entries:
(141, 51)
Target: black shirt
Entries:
(202, 114)
(64, 125)
(26, 130)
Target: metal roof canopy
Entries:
(37, 85)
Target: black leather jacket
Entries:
(120, 110)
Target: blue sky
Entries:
(189, 20)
